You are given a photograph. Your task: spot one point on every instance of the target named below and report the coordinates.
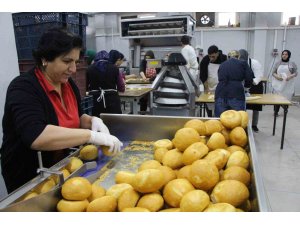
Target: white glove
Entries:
(98, 125)
(100, 138)
(117, 145)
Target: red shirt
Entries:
(68, 116)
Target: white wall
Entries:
(8, 69)
(256, 34)
(9, 60)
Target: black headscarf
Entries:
(289, 54)
(114, 55)
(150, 54)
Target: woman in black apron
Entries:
(104, 82)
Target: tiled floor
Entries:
(280, 168)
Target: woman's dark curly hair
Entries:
(56, 42)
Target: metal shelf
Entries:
(157, 31)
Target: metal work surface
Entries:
(137, 81)
(138, 133)
(133, 95)
(266, 99)
(127, 160)
(134, 92)
(45, 202)
(152, 128)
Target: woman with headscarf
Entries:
(104, 82)
(147, 73)
(283, 81)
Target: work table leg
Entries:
(285, 110)
(274, 122)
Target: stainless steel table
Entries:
(133, 95)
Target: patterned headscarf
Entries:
(101, 60)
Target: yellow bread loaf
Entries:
(72, 206)
(76, 188)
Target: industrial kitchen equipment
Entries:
(160, 34)
(174, 90)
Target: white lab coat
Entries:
(192, 65)
(257, 70)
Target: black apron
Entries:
(109, 103)
(255, 89)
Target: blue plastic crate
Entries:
(24, 53)
(30, 26)
(76, 18)
(27, 37)
(87, 102)
(30, 18)
(88, 111)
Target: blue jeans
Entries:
(223, 104)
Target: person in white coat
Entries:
(284, 74)
(190, 56)
(256, 87)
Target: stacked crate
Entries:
(30, 26)
(87, 104)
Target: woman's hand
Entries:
(98, 125)
(277, 77)
(100, 138)
(290, 77)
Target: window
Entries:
(290, 18)
(227, 19)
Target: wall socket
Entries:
(275, 52)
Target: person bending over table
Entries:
(233, 76)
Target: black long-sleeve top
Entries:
(107, 79)
(233, 76)
(27, 112)
(204, 65)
